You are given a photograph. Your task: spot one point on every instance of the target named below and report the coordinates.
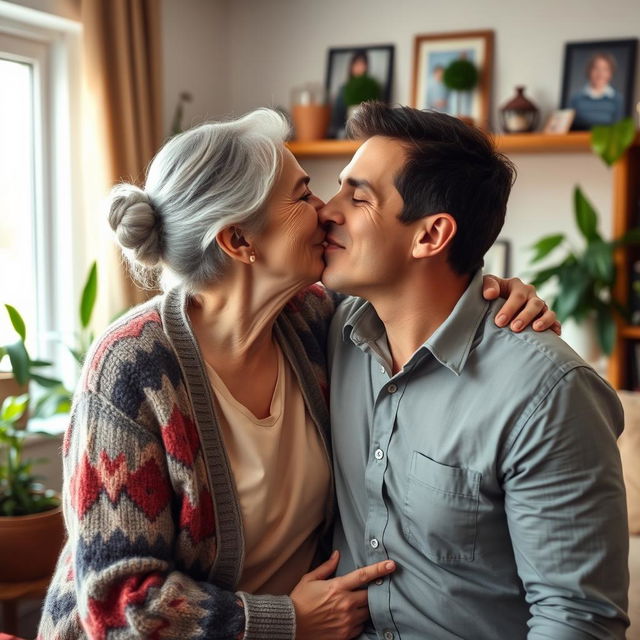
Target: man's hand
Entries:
(522, 307)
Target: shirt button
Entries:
(379, 581)
(379, 454)
(388, 635)
(392, 388)
(382, 369)
(374, 543)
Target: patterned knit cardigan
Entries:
(155, 542)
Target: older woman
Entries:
(198, 485)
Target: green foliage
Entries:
(359, 89)
(586, 279)
(461, 75)
(611, 141)
(20, 492)
(88, 298)
(23, 367)
(56, 398)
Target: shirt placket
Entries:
(383, 421)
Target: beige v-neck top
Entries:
(282, 479)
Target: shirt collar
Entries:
(607, 92)
(450, 344)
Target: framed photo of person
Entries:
(434, 55)
(355, 75)
(597, 82)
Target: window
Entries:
(19, 187)
(39, 77)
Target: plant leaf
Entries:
(17, 321)
(14, 407)
(606, 328)
(89, 293)
(45, 381)
(573, 285)
(598, 259)
(19, 361)
(611, 141)
(546, 245)
(40, 363)
(586, 216)
(540, 277)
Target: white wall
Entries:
(195, 55)
(275, 45)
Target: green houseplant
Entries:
(461, 76)
(586, 277)
(31, 524)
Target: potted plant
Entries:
(31, 523)
(461, 77)
(55, 397)
(24, 369)
(585, 277)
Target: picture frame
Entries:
(497, 261)
(359, 71)
(559, 121)
(597, 81)
(433, 53)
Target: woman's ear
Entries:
(234, 243)
(434, 234)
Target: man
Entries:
(483, 461)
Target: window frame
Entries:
(52, 46)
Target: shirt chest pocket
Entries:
(440, 511)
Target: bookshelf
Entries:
(626, 215)
(626, 212)
(578, 141)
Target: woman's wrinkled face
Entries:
(291, 245)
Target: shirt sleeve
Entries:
(566, 511)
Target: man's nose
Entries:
(330, 213)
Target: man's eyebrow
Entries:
(358, 183)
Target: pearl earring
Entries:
(252, 257)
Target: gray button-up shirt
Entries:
(488, 470)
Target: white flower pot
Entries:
(583, 339)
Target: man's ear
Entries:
(234, 243)
(434, 234)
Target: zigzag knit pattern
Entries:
(154, 549)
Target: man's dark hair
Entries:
(451, 167)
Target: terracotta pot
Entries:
(9, 387)
(30, 545)
(310, 121)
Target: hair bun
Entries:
(136, 223)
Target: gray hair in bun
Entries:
(136, 224)
(213, 176)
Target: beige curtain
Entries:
(122, 60)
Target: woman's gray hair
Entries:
(213, 176)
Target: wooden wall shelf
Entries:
(578, 141)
